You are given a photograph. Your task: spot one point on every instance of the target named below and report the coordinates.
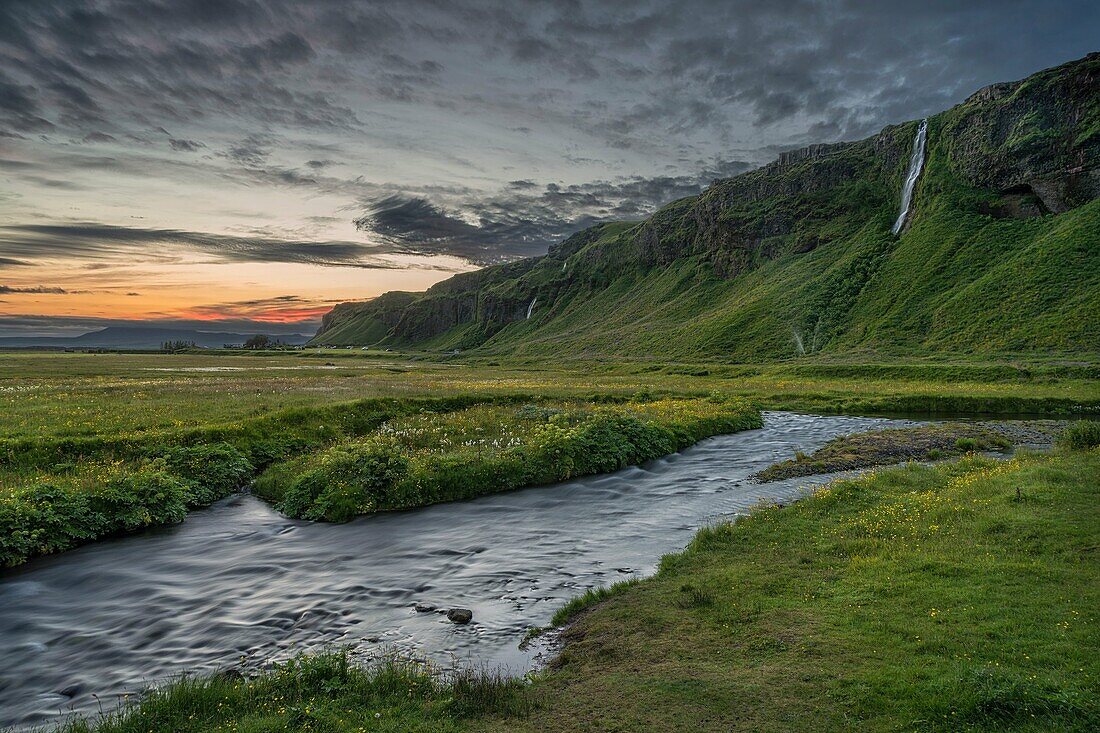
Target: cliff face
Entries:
(1036, 136)
(820, 215)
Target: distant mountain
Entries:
(139, 337)
(999, 252)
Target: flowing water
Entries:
(531, 308)
(916, 163)
(238, 579)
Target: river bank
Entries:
(918, 443)
(239, 579)
(927, 598)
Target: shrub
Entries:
(967, 444)
(211, 471)
(45, 518)
(1081, 435)
(345, 481)
(143, 498)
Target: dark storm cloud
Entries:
(598, 84)
(94, 241)
(526, 218)
(846, 62)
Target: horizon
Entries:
(252, 163)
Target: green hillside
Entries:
(1000, 254)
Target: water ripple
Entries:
(239, 579)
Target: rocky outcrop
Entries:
(1032, 136)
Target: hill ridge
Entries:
(800, 250)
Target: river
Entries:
(80, 629)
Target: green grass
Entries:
(42, 512)
(799, 258)
(916, 599)
(82, 396)
(1081, 435)
(70, 421)
(956, 597)
(324, 692)
(425, 459)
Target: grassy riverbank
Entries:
(429, 458)
(336, 462)
(87, 440)
(956, 597)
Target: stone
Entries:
(460, 615)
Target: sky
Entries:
(249, 163)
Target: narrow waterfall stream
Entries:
(916, 164)
(531, 307)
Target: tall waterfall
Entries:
(532, 306)
(916, 163)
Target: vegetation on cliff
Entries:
(797, 257)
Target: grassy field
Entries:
(956, 597)
(92, 445)
(73, 395)
(78, 466)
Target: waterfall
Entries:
(531, 307)
(798, 344)
(916, 163)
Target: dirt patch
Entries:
(922, 443)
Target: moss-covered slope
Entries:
(1001, 252)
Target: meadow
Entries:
(93, 445)
(54, 395)
(941, 587)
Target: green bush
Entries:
(347, 480)
(967, 444)
(452, 459)
(44, 518)
(1081, 435)
(146, 497)
(211, 471)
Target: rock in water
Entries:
(422, 607)
(460, 615)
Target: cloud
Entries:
(187, 146)
(98, 137)
(278, 309)
(89, 240)
(481, 128)
(38, 290)
(525, 218)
